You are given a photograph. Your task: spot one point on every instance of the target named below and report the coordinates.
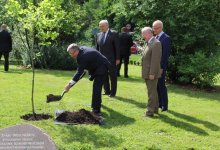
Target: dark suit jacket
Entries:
(166, 46)
(91, 60)
(125, 44)
(5, 41)
(110, 48)
(151, 59)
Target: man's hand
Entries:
(67, 87)
(151, 77)
(117, 61)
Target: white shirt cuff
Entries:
(72, 82)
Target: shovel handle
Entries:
(83, 74)
(63, 93)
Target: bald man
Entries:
(107, 44)
(166, 46)
(151, 69)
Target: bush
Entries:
(199, 69)
(192, 25)
(54, 57)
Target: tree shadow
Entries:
(183, 125)
(207, 124)
(115, 118)
(131, 79)
(13, 71)
(131, 101)
(81, 133)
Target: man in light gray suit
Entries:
(151, 69)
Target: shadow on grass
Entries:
(131, 101)
(14, 71)
(195, 94)
(131, 79)
(183, 125)
(80, 133)
(115, 118)
(207, 124)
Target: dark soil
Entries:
(52, 98)
(81, 117)
(36, 117)
(205, 89)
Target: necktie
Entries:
(103, 38)
(157, 37)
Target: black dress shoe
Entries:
(148, 114)
(96, 112)
(156, 112)
(164, 109)
(126, 76)
(111, 95)
(106, 94)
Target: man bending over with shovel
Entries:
(97, 66)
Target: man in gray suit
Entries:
(151, 69)
(107, 44)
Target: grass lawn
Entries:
(192, 122)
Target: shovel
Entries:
(53, 98)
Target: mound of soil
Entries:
(80, 117)
(36, 117)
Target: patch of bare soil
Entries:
(36, 117)
(79, 117)
(205, 89)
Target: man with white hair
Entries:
(166, 46)
(107, 44)
(151, 69)
(97, 65)
(5, 45)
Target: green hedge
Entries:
(54, 57)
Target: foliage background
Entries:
(194, 27)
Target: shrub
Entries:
(54, 57)
(199, 69)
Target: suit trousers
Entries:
(97, 91)
(6, 56)
(162, 91)
(125, 61)
(153, 103)
(112, 74)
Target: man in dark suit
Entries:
(166, 46)
(151, 69)
(97, 66)
(5, 45)
(107, 44)
(126, 42)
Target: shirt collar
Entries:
(106, 32)
(160, 34)
(150, 39)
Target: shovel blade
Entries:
(53, 98)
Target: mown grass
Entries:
(192, 121)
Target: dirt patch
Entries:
(206, 89)
(36, 117)
(80, 117)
